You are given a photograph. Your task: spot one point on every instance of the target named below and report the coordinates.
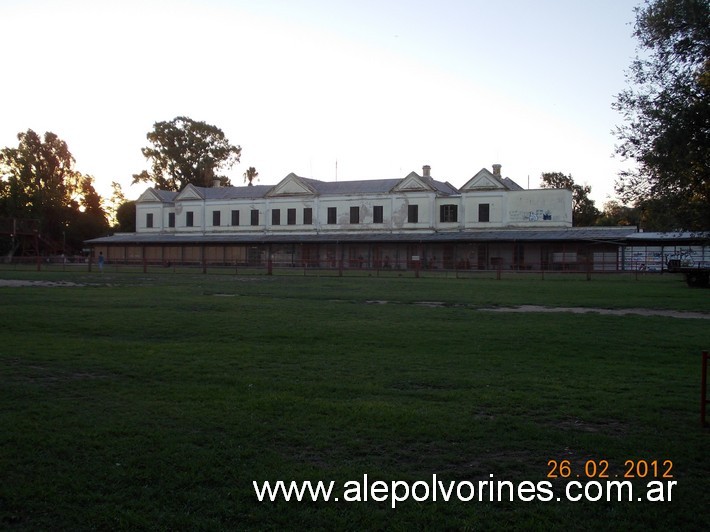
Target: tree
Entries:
(584, 212)
(117, 199)
(666, 111)
(88, 217)
(250, 175)
(185, 151)
(40, 183)
(614, 213)
(126, 217)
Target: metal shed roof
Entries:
(588, 234)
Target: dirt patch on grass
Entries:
(48, 284)
(570, 310)
(613, 312)
(19, 371)
(610, 428)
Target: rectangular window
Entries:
(216, 218)
(254, 217)
(413, 214)
(189, 219)
(354, 215)
(171, 219)
(484, 212)
(308, 216)
(332, 215)
(275, 216)
(291, 217)
(448, 213)
(149, 219)
(378, 214)
(235, 217)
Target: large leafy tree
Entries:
(666, 112)
(126, 217)
(614, 213)
(185, 151)
(584, 212)
(39, 183)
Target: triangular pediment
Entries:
(149, 195)
(483, 180)
(412, 183)
(190, 192)
(291, 185)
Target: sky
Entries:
(327, 89)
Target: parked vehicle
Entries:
(697, 275)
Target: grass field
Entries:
(134, 401)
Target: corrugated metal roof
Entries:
(675, 236)
(588, 234)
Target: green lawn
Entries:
(153, 401)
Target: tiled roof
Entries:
(510, 184)
(226, 193)
(365, 186)
(166, 196)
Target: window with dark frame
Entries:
(307, 216)
(291, 217)
(275, 216)
(354, 215)
(149, 219)
(171, 219)
(378, 214)
(413, 214)
(254, 217)
(216, 218)
(484, 212)
(332, 215)
(448, 213)
(189, 219)
(235, 217)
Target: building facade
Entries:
(413, 222)
(416, 203)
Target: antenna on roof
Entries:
(336, 170)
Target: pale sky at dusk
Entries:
(383, 87)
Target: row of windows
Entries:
(447, 214)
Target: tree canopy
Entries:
(250, 175)
(666, 112)
(38, 182)
(584, 211)
(185, 151)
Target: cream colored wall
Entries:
(540, 208)
(158, 211)
(497, 201)
(528, 208)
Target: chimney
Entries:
(496, 170)
(216, 183)
(426, 170)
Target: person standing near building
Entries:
(101, 261)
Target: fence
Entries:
(411, 267)
(704, 390)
